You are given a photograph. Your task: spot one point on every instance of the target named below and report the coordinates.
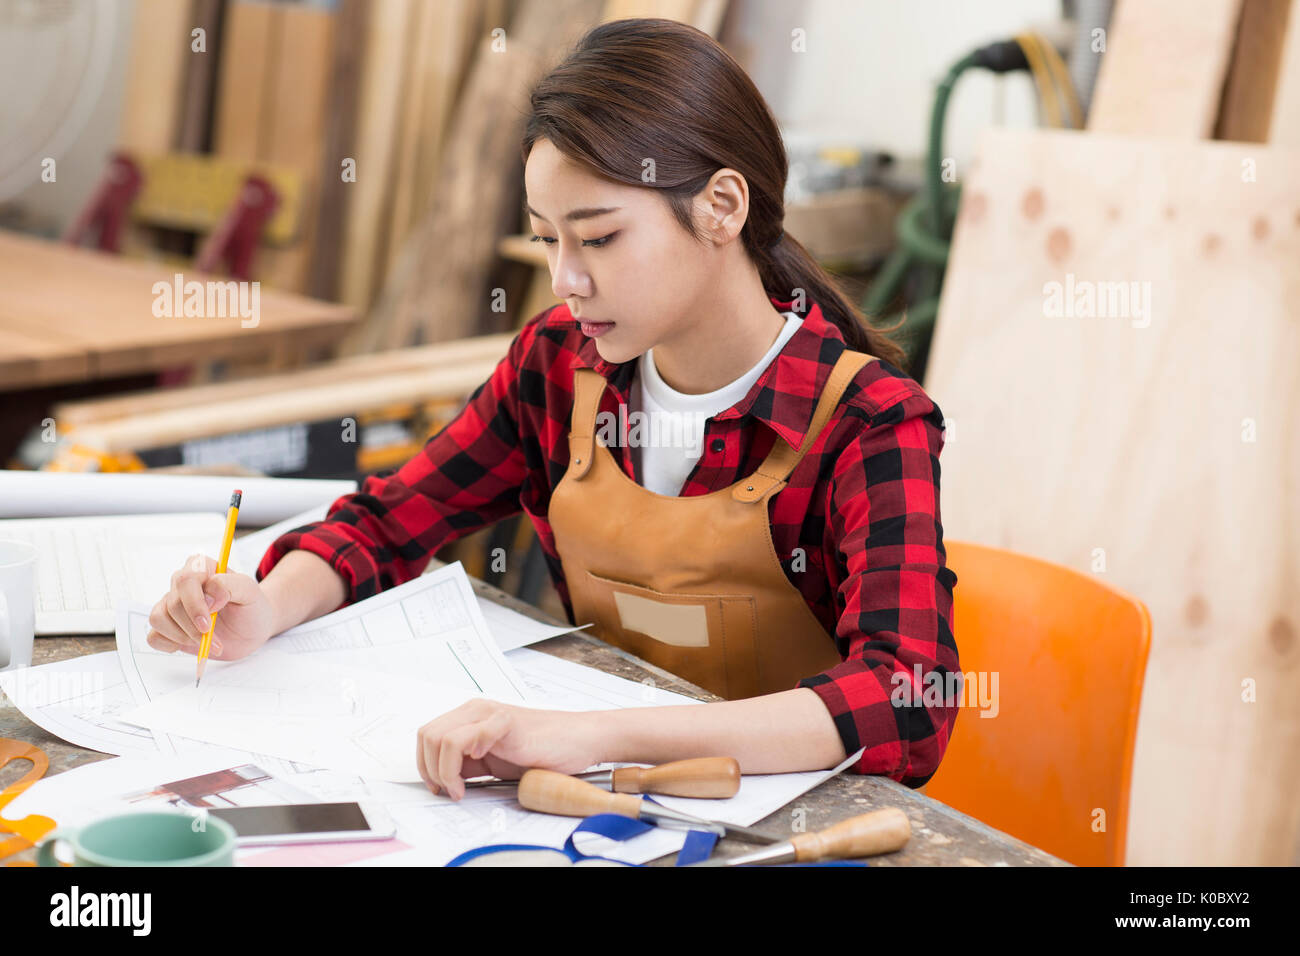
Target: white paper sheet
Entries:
(80, 700)
(437, 827)
(291, 706)
(564, 685)
(46, 494)
(431, 628)
(510, 629)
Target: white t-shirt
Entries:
(671, 437)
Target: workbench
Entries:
(70, 315)
(941, 836)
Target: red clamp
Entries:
(107, 209)
(235, 238)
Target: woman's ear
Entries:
(724, 204)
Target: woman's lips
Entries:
(595, 329)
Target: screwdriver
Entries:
(868, 834)
(699, 777)
(546, 791)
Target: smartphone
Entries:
(307, 823)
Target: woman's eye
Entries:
(594, 243)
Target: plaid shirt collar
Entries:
(785, 395)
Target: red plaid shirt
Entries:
(857, 527)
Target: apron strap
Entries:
(781, 461)
(588, 387)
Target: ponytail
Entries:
(787, 267)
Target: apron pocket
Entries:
(709, 639)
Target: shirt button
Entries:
(718, 445)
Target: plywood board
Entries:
(1163, 70)
(1151, 443)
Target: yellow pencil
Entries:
(231, 517)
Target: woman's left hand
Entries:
(488, 737)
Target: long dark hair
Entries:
(650, 89)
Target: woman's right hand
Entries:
(245, 617)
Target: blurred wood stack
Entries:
(1150, 438)
(358, 102)
(439, 287)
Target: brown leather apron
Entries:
(691, 584)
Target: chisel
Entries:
(714, 777)
(549, 792)
(881, 831)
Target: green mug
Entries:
(151, 838)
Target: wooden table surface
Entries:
(70, 315)
(941, 836)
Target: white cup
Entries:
(17, 604)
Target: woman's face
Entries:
(616, 254)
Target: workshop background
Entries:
(1081, 219)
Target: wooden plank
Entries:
(195, 122)
(1248, 96)
(251, 34)
(436, 288)
(438, 58)
(340, 143)
(1285, 127)
(159, 52)
(1154, 444)
(383, 65)
(294, 135)
(705, 15)
(313, 403)
(1164, 67)
(481, 349)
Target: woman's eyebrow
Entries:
(576, 214)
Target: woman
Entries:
(791, 560)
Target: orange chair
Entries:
(1052, 766)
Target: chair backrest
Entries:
(1049, 758)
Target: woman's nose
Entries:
(569, 278)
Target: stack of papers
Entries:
(328, 711)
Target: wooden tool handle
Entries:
(881, 831)
(549, 792)
(700, 777)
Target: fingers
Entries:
(470, 730)
(189, 605)
(182, 616)
(230, 587)
(160, 643)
